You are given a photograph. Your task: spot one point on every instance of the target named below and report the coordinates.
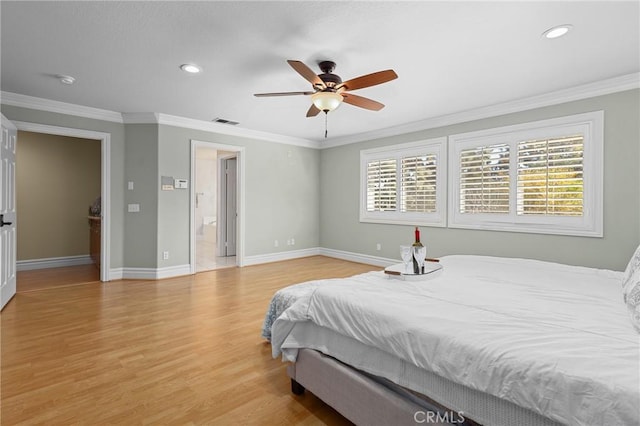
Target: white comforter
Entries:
(552, 338)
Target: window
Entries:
(418, 191)
(381, 185)
(404, 184)
(484, 179)
(543, 177)
(550, 180)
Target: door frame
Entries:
(239, 151)
(105, 179)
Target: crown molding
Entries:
(590, 90)
(41, 104)
(225, 129)
(139, 118)
(31, 102)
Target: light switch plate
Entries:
(133, 208)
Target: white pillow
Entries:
(631, 288)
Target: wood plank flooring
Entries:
(183, 350)
(39, 279)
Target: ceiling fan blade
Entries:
(362, 102)
(313, 111)
(262, 95)
(368, 80)
(307, 73)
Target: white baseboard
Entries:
(53, 262)
(149, 273)
(358, 257)
(338, 254)
(174, 271)
(277, 257)
(116, 274)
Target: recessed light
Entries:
(66, 79)
(557, 31)
(190, 68)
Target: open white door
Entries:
(7, 211)
(231, 215)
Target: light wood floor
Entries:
(183, 350)
(39, 279)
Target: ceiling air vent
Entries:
(223, 121)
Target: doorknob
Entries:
(2, 222)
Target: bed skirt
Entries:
(363, 399)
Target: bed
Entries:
(492, 341)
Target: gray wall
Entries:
(281, 194)
(340, 228)
(141, 168)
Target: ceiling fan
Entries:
(329, 91)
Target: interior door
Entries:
(231, 205)
(8, 239)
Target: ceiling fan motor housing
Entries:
(327, 76)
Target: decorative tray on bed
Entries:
(399, 271)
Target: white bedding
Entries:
(552, 338)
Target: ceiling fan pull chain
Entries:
(325, 124)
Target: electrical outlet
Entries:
(276, 243)
(293, 241)
(165, 255)
(378, 246)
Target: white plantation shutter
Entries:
(418, 187)
(484, 179)
(541, 177)
(381, 185)
(550, 176)
(404, 184)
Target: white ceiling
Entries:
(450, 56)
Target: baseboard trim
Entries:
(277, 257)
(358, 257)
(53, 262)
(149, 273)
(338, 254)
(175, 271)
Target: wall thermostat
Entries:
(181, 184)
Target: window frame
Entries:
(590, 125)
(437, 146)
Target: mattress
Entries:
(553, 339)
(285, 297)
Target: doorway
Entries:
(103, 257)
(215, 205)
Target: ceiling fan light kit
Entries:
(326, 101)
(329, 91)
